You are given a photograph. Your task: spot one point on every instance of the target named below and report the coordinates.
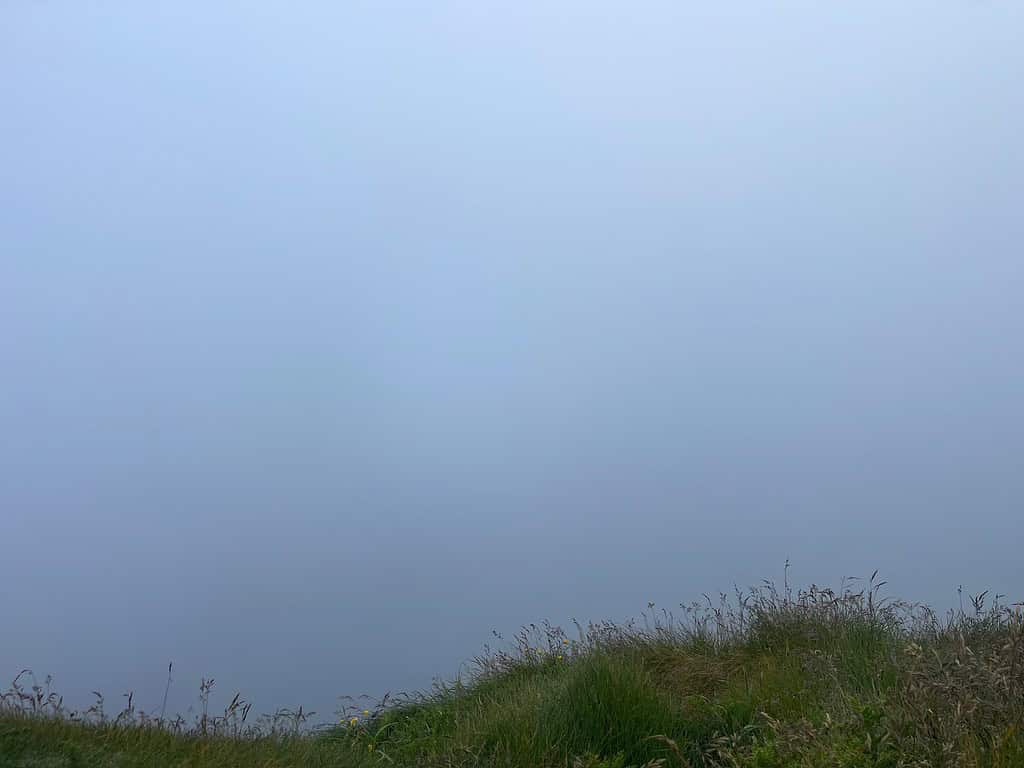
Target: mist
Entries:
(334, 336)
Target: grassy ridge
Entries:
(765, 679)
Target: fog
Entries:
(334, 336)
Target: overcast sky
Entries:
(334, 335)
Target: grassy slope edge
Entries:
(766, 679)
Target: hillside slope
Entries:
(766, 679)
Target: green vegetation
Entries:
(766, 679)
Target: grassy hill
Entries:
(765, 679)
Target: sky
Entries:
(334, 336)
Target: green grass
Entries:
(767, 679)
